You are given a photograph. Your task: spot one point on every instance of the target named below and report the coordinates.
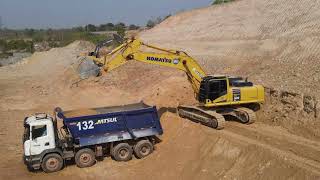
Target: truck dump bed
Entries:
(104, 110)
(110, 124)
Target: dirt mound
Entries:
(274, 43)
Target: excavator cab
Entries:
(211, 88)
(223, 90)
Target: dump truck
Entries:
(87, 134)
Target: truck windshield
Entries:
(39, 131)
(26, 134)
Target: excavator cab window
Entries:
(212, 89)
(216, 89)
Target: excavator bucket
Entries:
(87, 68)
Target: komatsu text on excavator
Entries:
(218, 96)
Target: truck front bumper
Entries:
(32, 162)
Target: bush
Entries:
(94, 38)
(3, 45)
(166, 17)
(150, 24)
(54, 44)
(91, 28)
(19, 45)
(221, 1)
(5, 55)
(120, 25)
(153, 22)
(133, 27)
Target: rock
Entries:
(317, 109)
(308, 104)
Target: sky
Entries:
(18, 14)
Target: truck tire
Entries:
(122, 152)
(52, 163)
(143, 148)
(85, 158)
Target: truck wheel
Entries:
(52, 163)
(122, 152)
(143, 148)
(85, 158)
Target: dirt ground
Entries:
(282, 144)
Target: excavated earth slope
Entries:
(275, 43)
(272, 42)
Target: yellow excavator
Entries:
(219, 96)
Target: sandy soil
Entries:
(282, 144)
(272, 42)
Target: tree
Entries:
(150, 23)
(133, 27)
(158, 20)
(110, 26)
(121, 31)
(120, 26)
(91, 28)
(3, 45)
(29, 32)
(220, 1)
(38, 37)
(79, 29)
(102, 27)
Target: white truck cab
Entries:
(39, 129)
(39, 137)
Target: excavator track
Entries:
(245, 115)
(208, 118)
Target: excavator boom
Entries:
(131, 50)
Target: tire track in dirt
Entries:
(302, 153)
(278, 133)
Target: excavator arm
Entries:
(132, 50)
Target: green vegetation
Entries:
(121, 29)
(15, 45)
(107, 27)
(221, 1)
(29, 40)
(133, 27)
(24, 40)
(153, 22)
(94, 38)
(5, 55)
